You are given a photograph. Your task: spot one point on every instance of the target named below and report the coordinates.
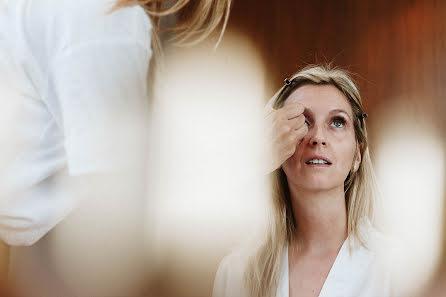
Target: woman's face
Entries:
(326, 155)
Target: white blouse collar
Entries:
(347, 274)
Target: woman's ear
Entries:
(357, 160)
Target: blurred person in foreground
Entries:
(74, 96)
(321, 240)
(437, 287)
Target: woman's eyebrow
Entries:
(340, 111)
(308, 112)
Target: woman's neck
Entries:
(321, 219)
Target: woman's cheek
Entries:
(291, 166)
(340, 133)
(348, 150)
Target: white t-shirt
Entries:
(73, 92)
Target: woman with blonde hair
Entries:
(74, 84)
(321, 241)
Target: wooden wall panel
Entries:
(397, 49)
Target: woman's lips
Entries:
(318, 165)
(318, 160)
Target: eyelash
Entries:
(335, 119)
(339, 119)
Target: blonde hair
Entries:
(208, 14)
(264, 267)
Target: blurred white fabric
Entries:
(73, 91)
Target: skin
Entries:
(317, 191)
(286, 129)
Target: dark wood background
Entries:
(396, 47)
(397, 50)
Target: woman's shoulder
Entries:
(75, 8)
(229, 279)
(370, 236)
(68, 22)
(385, 252)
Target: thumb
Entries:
(269, 106)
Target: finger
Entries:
(269, 105)
(298, 135)
(268, 110)
(293, 110)
(301, 133)
(297, 122)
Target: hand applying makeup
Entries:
(285, 129)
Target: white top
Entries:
(73, 91)
(362, 273)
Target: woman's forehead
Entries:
(320, 98)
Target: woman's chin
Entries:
(315, 184)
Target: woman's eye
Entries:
(338, 123)
(306, 123)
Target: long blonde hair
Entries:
(264, 267)
(208, 14)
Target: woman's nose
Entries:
(317, 136)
